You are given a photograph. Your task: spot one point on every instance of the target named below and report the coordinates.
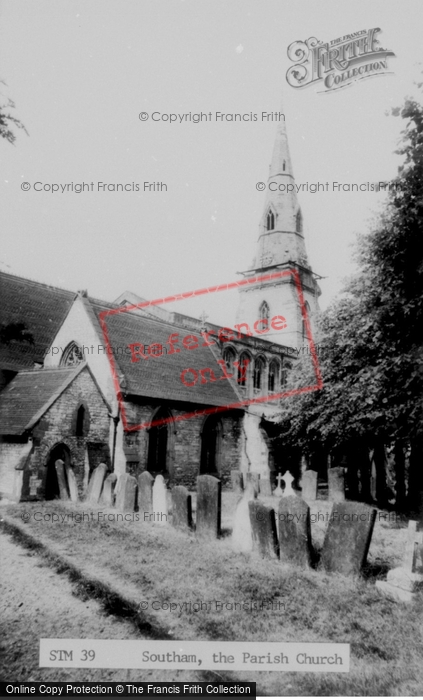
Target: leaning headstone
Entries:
(181, 508)
(254, 478)
(242, 536)
(237, 479)
(108, 493)
(263, 526)
(348, 537)
(309, 485)
(294, 530)
(126, 491)
(160, 501)
(403, 582)
(95, 485)
(265, 487)
(73, 486)
(145, 493)
(336, 484)
(209, 506)
(61, 478)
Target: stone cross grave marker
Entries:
(108, 494)
(309, 485)
(404, 581)
(209, 506)
(348, 537)
(145, 493)
(61, 478)
(263, 526)
(160, 509)
(336, 484)
(181, 508)
(96, 483)
(294, 531)
(126, 491)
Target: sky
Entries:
(80, 74)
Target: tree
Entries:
(7, 120)
(372, 362)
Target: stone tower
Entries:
(280, 247)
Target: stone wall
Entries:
(57, 426)
(184, 445)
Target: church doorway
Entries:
(211, 437)
(52, 490)
(158, 443)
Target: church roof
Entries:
(30, 394)
(160, 377)
(30, 315)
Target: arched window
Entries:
(258, 373)
(79, 429)
(264, 311)
(303, 329)
(270, 221)
(211, 437)
(244, 361)
(284, 165)
(158, 442)
(273, 379)
(229, 355)
(72, 355)
(299, 221)
(284, 373)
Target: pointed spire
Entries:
(281, 159)
(281, 231)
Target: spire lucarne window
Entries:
(270, 222)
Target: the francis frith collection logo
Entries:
(337, 63)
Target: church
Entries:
(137, 387)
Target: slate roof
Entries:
(40, 307)
(160, 377)
(29, 395)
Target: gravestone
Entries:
(237, 479)
(265, 487)
(242, 536)
(348, 537)
(145, 493)
(336, 484)
(278, 491)
(288, 479)
(404, 581)
(209, 506)
(309, 485)
(253, 478)
(126, 492)
(73, 486)
(181, 508)
(96, 483)
(294, 530)
(61, 478)
(263, 526)
(108, 493)
(160, 501)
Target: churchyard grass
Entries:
(153, 566)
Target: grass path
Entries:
(155, 567)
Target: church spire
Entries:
(281, 230)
